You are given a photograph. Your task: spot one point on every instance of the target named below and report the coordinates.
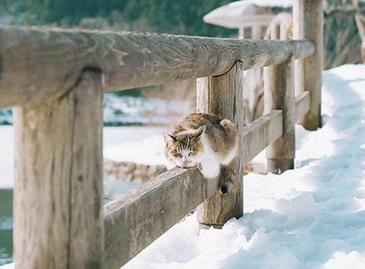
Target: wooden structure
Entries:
(250, 19)
(308, 24)
(55, 79)
(360, 22)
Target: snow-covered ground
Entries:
(310, 217)
(6, 156)
(146, 151)
(307, 218)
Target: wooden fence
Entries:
(360, 22)
(55, 80)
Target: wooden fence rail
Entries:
(56, 79)
(40, 64)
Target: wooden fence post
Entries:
(308, 24)
(279, 94)
(223, 95)
(58, 187)
(360, 22)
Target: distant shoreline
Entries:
(112, 136)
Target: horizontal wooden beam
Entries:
(135, 220)
(302, 104)
(38, 64)
(260, 133)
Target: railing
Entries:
(360, 22)
(56, 79)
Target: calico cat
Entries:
(204, 140)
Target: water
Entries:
(118, 111)
(6, 226)
(112, 187)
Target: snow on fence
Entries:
(55, 79)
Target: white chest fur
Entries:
(211, 161)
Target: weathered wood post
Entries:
(360, 22)
(308, 24)
(223, 95)
(279, 94)
(58, 187)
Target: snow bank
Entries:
(7, 266)
(6, 157)
(306, 218)
(134, 144)
(128, 110)
(352, 260)
(146, 151)
(115, 147)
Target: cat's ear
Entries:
(200, 131)
(168, 138)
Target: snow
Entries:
(237, 14)
(6, 157)
(146, 151)
(114, 139)
(342, 260)
(128, 110)
(7, 266)
(310, 217)
(269, 3)
(307, 218)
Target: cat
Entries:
(204, 140)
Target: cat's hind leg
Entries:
(230, 130)
(225, 123)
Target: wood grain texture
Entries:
(58, 187)
(302, 104)
(259, 134)
(223, 95)
(279, 94)
(360, 22)
(135, 220)
(308, 24)
(39, 64)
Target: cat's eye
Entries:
(177, 155)
(190, 154)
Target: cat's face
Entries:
(186, 148)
